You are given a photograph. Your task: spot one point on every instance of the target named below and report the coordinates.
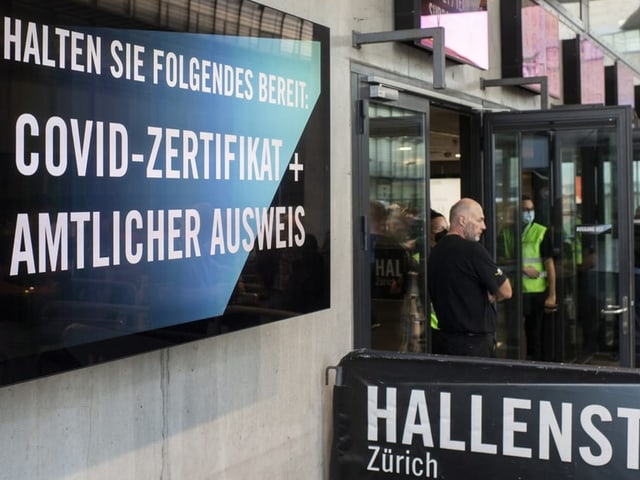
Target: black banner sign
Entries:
(407, 416)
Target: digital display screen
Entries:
(619, 86)
(541, 47)
(157, 186)
(591, 72)
(465, 22)
(583, 72)
(530, 44)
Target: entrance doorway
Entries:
(414, 158)
(571, 167)
(391, 243)
(408, 156)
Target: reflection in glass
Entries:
(507, 177)
(397, 228)
(589, 247)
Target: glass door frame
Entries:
(566, 118)
(360, 94)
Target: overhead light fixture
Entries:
(405, 149)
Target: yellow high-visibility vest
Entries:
(531, 241)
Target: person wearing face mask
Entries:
(439, 228)
(538, 280)
(464, 283)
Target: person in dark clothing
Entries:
(390, 264)
(439, 229)
(390, 260)
(538, 278)
(464, 283)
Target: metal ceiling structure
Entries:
(197, 16)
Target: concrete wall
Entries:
(251, 404)
(247, 404)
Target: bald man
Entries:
(464, 283)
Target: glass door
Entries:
(636, 239)
(390, 172)
(566, 175)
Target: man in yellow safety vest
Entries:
(538, 280)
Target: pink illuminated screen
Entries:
(466, 30)
(626, 92)
(541, 47)
(591, 73)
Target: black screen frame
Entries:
(43, 360)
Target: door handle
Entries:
(613, 310)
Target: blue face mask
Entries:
(528, 216)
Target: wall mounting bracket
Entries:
(436, 33)
(543, 81)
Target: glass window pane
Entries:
(506, 151)
(573, 7)
(617, 24)
(397, 192)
